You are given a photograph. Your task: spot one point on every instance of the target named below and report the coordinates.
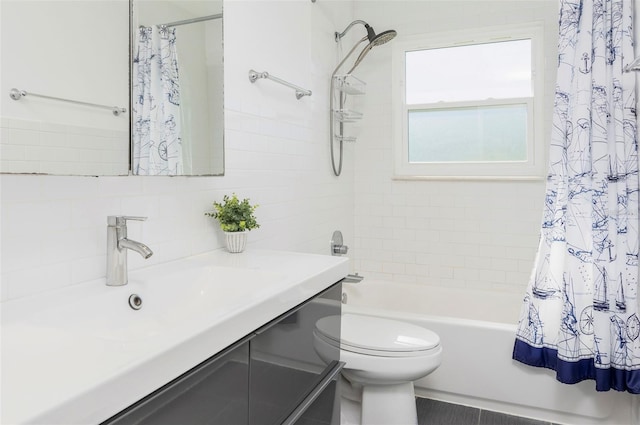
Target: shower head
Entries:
(373, 38)
(376, 40)
(383, 37)
(379, 39)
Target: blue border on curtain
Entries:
(574, 372)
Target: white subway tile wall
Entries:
(48, 148)
(54, 227)
(466, 234)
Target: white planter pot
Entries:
(236, 241)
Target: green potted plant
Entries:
(236, 218)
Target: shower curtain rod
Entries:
(193, 20)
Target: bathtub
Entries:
(477, 331)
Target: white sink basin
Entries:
(81, 354)
(171, 300)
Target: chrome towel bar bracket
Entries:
(300, 92)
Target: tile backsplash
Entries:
(50, 148)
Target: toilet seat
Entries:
(376, 336)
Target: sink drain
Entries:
(135, 302)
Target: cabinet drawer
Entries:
(322, 404)
(214, 392)
(284, 367)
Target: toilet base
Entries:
(389, 404)
(377, 404)
(350, 412)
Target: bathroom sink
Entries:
(80, 354)
(167, 301)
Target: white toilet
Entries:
(383, 357)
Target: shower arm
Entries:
(338, 35)
(337, 171)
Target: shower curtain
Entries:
(580, 313)
(157, 142)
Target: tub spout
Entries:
(353, 278)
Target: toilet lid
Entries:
(377, 334)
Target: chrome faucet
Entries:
(117, 246)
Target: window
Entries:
(466, 104)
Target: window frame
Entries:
(531, 169)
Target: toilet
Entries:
(383, 357)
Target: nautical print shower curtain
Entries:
(580, 314)
(157, 143)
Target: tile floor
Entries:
(433, 412)
(430, 412)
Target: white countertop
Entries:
(81, 354)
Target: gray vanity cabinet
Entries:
(214, 392)
(273, 376)
(287, 375)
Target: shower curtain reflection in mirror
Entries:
(157, 134)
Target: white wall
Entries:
(454, 233)
(54, 228)
(47, 136)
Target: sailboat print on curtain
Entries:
(600, 293)
(157, 142)
(621, 303)
(545, 285)
(580, 314)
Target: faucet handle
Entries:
(121, 220)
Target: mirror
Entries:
(177, 88)
(68, 78)
(68, 64)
